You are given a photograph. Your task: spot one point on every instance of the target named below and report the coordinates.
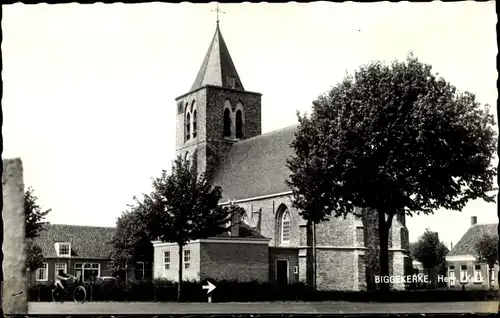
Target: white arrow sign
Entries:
(210, 287)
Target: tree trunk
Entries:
(431, 281)
(180, 273)
(383, 230)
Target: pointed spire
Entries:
(218, 68)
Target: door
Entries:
(282, 272)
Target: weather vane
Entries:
(217, 11)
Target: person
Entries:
(61, 279)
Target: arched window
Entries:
(187, 157)
(285, 227)
(194, 123)
(227, 122)
(188, 126)
(239, 124)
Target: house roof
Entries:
(256, 166)
(217, 66)
(466, 245)
(88, 242)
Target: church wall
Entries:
(268, 221)
(234, 261)
(216, 97)
(199, 98)
(337, 269)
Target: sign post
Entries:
(210, 288)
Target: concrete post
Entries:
(14, 285)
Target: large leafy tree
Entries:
(34, 214)
(132, 241)
(34, 224)
(183, 207)
(392, 139)
(487, 251)
(430, 251)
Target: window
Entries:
(285, 227)
(194, 123)
(451, 275)
(139, 270)
(166, 259)
(295, 269)
(187, 258)
(188, 126)
(239, 124)
(478, 277)
(42, 273)
(60, 266)
(187, 157)
(87, 271)
(63, 249)
(231, 81)
(463, 274)
(492, 276)
(227, 123)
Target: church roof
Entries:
(256, 166)
(217, 68)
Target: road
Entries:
(262, 308)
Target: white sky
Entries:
(89, 90)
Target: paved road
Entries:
(262, 308)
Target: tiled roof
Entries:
(256, 166)
(217, 66)
(88, 242)
(466, 245)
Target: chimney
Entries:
(235, 225)
(451, 245)
(473, 220)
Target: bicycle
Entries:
(77, 289)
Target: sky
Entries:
(89, 90)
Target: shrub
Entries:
(162, 290)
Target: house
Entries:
(82, 251)
(220, 121)
(464, 270)
(242, 254)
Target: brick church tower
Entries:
(217, 111)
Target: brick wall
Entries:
(336, 269)
(234, 261)
(172, 273)
(289, 254)
(210, 144)
(362, 285)
(268, 225)
(105, 268)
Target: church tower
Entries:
(217, 111)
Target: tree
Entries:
(392, 139)
(430, 251)
(487, 252)
(183, 207)
(34, 216)
(132, 241)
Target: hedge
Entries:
(227, 291)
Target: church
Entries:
(220, 121)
